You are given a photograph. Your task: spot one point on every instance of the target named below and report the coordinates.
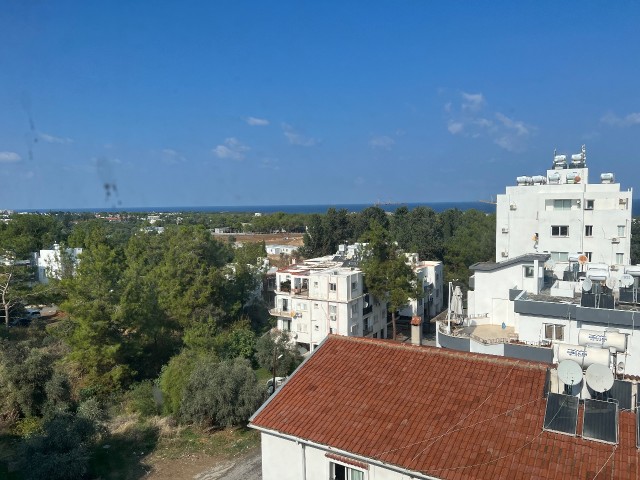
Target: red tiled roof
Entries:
(440, 412)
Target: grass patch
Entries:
(263, 375)
(225, 443)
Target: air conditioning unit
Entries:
(615, 240)
(505, 254)
(505, 230)
(512, 206)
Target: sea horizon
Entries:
(439, 207)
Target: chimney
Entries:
(416, 330)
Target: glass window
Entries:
(354, 309)
(588, 255)
(588, 230)
(333, 287)
(560, 231)
(620, 258)
(563, 204)
(588, 204)
(354, 285)
(553, 332)
(560, 256)
(528, 271)
(621, 230)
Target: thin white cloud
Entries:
(626, 121)
(468, 117)
(455, 127)
(232, 149)
(46, 137)
(9, 157)
(472, 101)
(172, 157)
(257, 122)
(269, 163)
(296, 138)
(382, 141)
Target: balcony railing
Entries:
(367, 330)
(278, 312)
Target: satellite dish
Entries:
(569, 372)
(582, 259)
(599, 378)
(626, 280)
(550, 265)
(587, 284)
(610, 283)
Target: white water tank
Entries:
(633, 270)
(559, 158)
(583, 355)
(576, 157)
(554, 178)
(607, 178)
(605, 339)
(539, 179)
(524, 180)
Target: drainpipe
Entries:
(304, 462)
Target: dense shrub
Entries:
(174, 378)
(141, 398)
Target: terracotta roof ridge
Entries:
(427, 349)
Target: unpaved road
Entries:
(202, 467)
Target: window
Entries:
(620, 258)
(588, 204)
(560, 231)
(333, 287)
(528, 271)
(333, 309)
(560, 256)
(316, 306)
(588, 255)
(354, 285)
(553, 332)
(621, 230)
(286, 325)
(354, 309)
(588, 230)
(342, 472)
(562, 204)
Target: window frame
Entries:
(559, 229)
(528, 271)
(333, 286)
(562, 204)
(557, 332)
(588, 230)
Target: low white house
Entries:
(274, 249)
(367, 409)
(50, 263)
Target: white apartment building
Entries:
(327, 295)
(430, 277)
(50, 262)
(563, 214)
(323, 296)
(562, 296)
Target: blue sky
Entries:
(290, 102)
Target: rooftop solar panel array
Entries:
(621, 391)
(600, 421)
(561, 414)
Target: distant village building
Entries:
(273, 249)
(51, 264)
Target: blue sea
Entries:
(266, 209)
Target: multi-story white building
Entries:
(562, 214)
(328, 295)
(562, 296)
(430, 277)
(51, 263)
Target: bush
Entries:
(61, 452)
(141, 398)
(223, 394)
(173, 379)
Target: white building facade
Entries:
(562, 284)
(51, 264)
(562, 213)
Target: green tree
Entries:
(635, 241)
(174, 378)
(386, 273)
(223, 394)
(276, 353)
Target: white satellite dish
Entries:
(587, 284)
(550, 264)
(610, 283)
(599, 378)
(569, 372)
(626, 280)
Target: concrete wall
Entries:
(454, 343)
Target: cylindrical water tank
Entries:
(605, 339)
(576, 157)
(606, 178)
(522, 180)
(538, 179)
(583, 355)
(554, 177)
(633, 270)
(559, 158)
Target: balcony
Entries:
(302, 291)
(285, 286)
(278, 312)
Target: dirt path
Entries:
(204, 467)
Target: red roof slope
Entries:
(440, 412)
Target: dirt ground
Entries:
(204, 467)
(267, 238)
